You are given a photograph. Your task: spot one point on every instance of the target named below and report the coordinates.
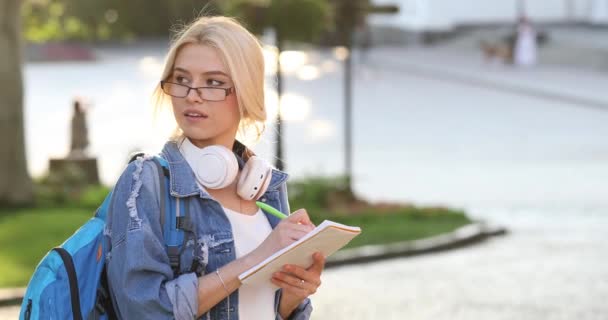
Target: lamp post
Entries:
(349, 15)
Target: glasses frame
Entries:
(228, 91)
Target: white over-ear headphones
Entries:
(216, 167)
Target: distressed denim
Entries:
(141, 280)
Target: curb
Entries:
(11, 296)
(463, 236)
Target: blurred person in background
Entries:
(525, 44)
(79, 132)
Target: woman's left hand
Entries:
(298, 283)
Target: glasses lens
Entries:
(213, 94)
(176, 90)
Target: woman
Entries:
(214, 80)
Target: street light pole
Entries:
(348, 115)
(279, 164)
(352, 13)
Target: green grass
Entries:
(27, 234)
(401, 225)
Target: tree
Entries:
(292, 20)
(15, 183)
(349, 15)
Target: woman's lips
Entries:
(194, 114)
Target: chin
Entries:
(197, 135)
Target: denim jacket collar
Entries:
(183, 182)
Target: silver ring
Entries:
(301, 281)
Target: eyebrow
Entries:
(213, 72)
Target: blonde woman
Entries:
(213, 79)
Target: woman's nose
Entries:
(193, 96)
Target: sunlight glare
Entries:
(151, 67)
(294, 107)
(320, 130)
(341, 53)
(291, 61)
(308, 72)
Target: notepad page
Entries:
(328, 237)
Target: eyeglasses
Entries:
(206, 93)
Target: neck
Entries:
(235, 145)
(228, 143)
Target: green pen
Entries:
(271, 210)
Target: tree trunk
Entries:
(15, 183)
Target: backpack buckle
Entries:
(184, 223)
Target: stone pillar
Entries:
(78, 164)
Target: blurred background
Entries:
(410, 118)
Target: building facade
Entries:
(445, 15)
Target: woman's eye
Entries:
(181, 79)
(214, 83)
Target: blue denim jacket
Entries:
(142, 283)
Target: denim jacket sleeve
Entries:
(141, 280)
(302, 312)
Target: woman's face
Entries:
(204, 122)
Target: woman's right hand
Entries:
(288, 231)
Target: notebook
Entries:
(328, 237)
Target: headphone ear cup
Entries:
(216, 167)
(254, 179)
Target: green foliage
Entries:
(60, 187)
(93, 196)
(68, 187)
(319, 193)
(299, 20)
(296, 20)
(329, 198)
(90, 196)
(61, 20)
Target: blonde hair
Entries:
(240, 52)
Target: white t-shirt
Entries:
(255, 301)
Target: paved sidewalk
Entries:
(564, 84)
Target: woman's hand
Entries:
(288, 231)
(298, 283)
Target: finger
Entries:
(318, 263)
(297, 291)
(296, 235)
(299, 227)
(296, 282)
(303, 274)
(300, 216)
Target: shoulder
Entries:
(140, 169)
(135, 201)
(138, 183)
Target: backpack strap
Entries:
(72, 280)
(173, 216)
(173, 224)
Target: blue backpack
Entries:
(70, 281)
